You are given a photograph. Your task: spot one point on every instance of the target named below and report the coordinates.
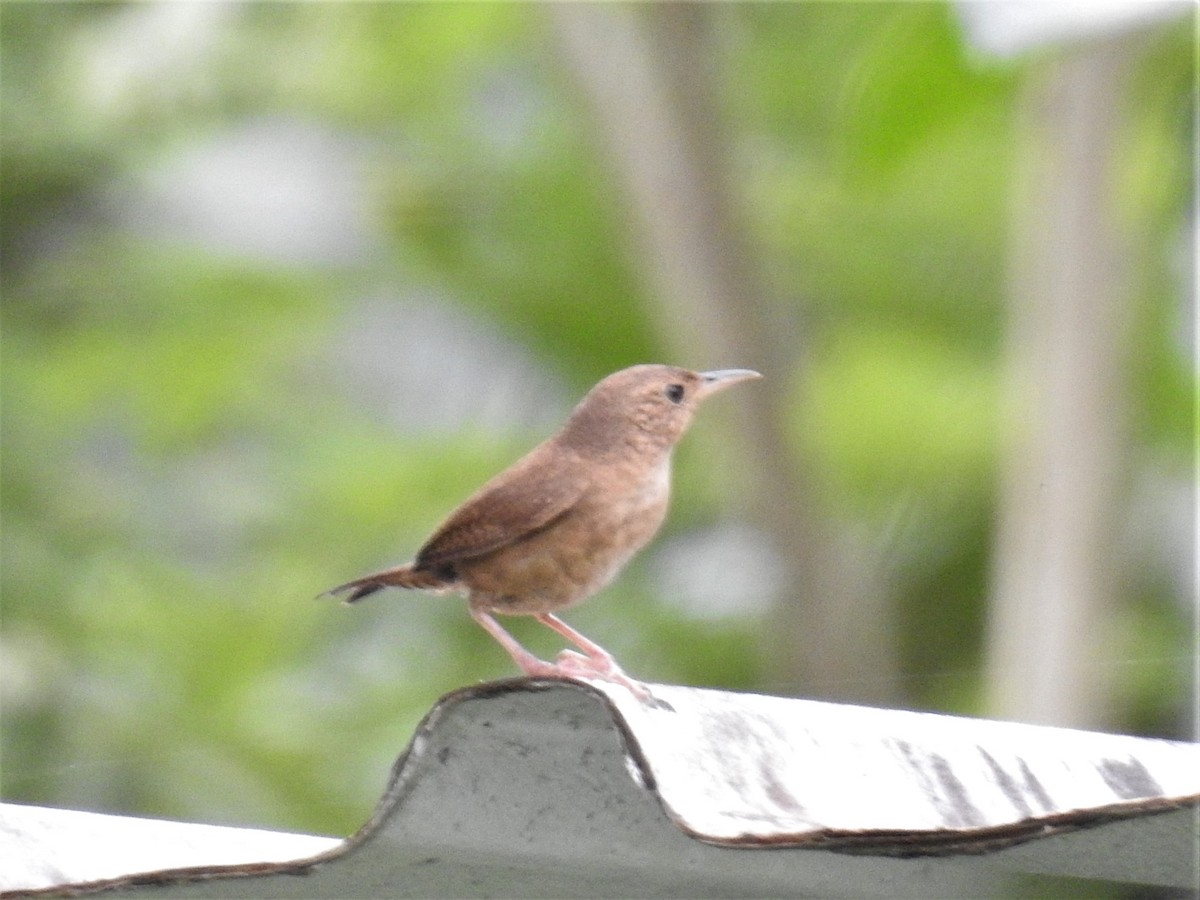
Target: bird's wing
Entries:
(526, 498)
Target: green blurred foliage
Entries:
(181, 475)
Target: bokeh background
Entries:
(283, 283)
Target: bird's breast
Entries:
(580, 552)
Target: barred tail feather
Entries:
(401, 576)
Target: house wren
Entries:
(561, 522)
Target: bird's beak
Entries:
(718, 380)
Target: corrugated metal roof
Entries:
(566, 789)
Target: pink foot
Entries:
(603, 667)
(594, 662)
(576, 664)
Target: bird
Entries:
(559, 524)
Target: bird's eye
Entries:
(674, 393)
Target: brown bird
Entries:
(560, 523)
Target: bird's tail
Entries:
(401, 576)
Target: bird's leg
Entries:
(599, 657)
(598, 661)
(526, 661)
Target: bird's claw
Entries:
(578, 665)
(571, 664)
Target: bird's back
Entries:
(550, 531)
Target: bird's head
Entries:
(647, 406)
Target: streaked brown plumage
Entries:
(561, 522)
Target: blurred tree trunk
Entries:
(649, 74)
(1056, 579)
